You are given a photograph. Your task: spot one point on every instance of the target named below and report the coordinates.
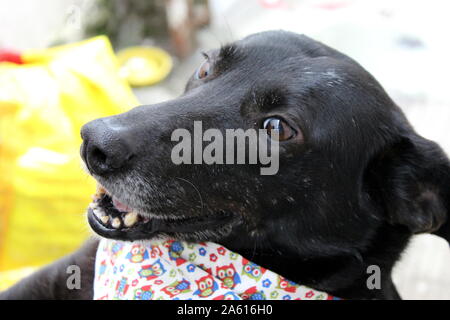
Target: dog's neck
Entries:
(342, 275)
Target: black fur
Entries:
(353, 186)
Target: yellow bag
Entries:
(43, 104)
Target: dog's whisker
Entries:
(196, 189)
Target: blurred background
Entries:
(108, 56)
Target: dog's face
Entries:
(349, 162)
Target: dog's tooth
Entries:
(99, 193)
(100, 189)
(98, 212)
(104, 219)
(116, 223)
(130, 219)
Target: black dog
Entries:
(355, 181)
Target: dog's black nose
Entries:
(105, 148)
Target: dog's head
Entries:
(349, 161)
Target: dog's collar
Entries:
(173, 270)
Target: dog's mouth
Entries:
(112, 219)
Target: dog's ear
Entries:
(411, 180)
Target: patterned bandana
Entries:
(174, 270)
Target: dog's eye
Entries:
(285, 131)
(204, 70)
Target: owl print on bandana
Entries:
(206, 286)
(176, 288)
(137, 254)
(228, 275)
(252, 270)
(144, 293)
(175, 270)
(152, 271)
